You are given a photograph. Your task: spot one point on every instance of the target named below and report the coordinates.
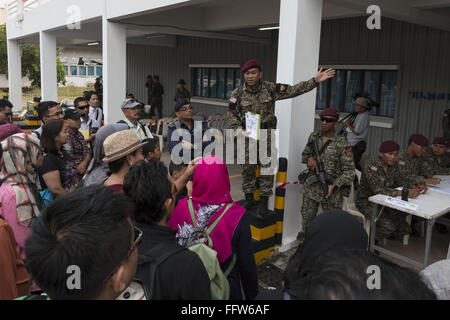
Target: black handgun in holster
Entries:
(322, 177)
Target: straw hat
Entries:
(361, 101)
(121, 144)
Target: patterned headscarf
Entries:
(20, 154)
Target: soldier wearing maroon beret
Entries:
(412, 165)
(258, 97)
(380, 175)
(436, 158)
(337, 159)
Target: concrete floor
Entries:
(270, 270)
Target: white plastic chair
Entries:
(350, 206)
(162, 129)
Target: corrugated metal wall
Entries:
(172, 64)
(422, 53)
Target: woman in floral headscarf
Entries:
(18, 195)
(231, 238)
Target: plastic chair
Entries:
(350, 206)
(162, 129)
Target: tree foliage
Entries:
(31, 64)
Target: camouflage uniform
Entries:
(262, 102)
(376, 179)
(446, 124)
(413, 170)
(436, 165)
(338, 162)
(181, 94)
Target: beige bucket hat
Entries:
(121, 144)
(361, 101)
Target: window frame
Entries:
(363, 69)
(228, 68)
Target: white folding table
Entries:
(432, 205)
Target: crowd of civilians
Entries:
(76, 193)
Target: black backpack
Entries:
(148, 264)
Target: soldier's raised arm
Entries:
(284, 91)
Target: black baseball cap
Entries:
(71, 114)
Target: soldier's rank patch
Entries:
(374, 168)
(281, 87)
(348, 152)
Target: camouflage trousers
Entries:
(250, 182)
(312, 198)
(391, 223)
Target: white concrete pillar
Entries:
(49, 82)
(15, 74)
(114, 70)
(298, 57)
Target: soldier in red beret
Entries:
(337, 158)
(437, 161)
(412, 165)
(380, 175)
(436, 158)
(258, 97)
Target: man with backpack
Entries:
(258, 98)
(167, 270)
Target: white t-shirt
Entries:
(361, 125)
(96, 114)
(91, 123)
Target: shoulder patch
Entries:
(233, 100)
(280, 87)
(348, 151)
(374, 168)
(403, 163)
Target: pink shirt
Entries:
(8, 210)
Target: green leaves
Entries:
(31, 64)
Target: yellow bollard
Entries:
(280, 196)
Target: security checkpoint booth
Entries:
(398, 54)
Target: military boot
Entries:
(249, 201)
(261, 211)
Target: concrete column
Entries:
(298, 57)
(114, 70)
(15, 74)
(49, 82)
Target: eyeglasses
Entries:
(185, 109)
(57, 114)
(138, 235)
(327, 120)
(83, 108)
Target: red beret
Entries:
(253, 63)
(330, 112)
(389, 146)
(419, 139)
(440, 140)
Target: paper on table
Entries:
(402, 204)
(252, 124)
(446, 182)
(441, 189)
